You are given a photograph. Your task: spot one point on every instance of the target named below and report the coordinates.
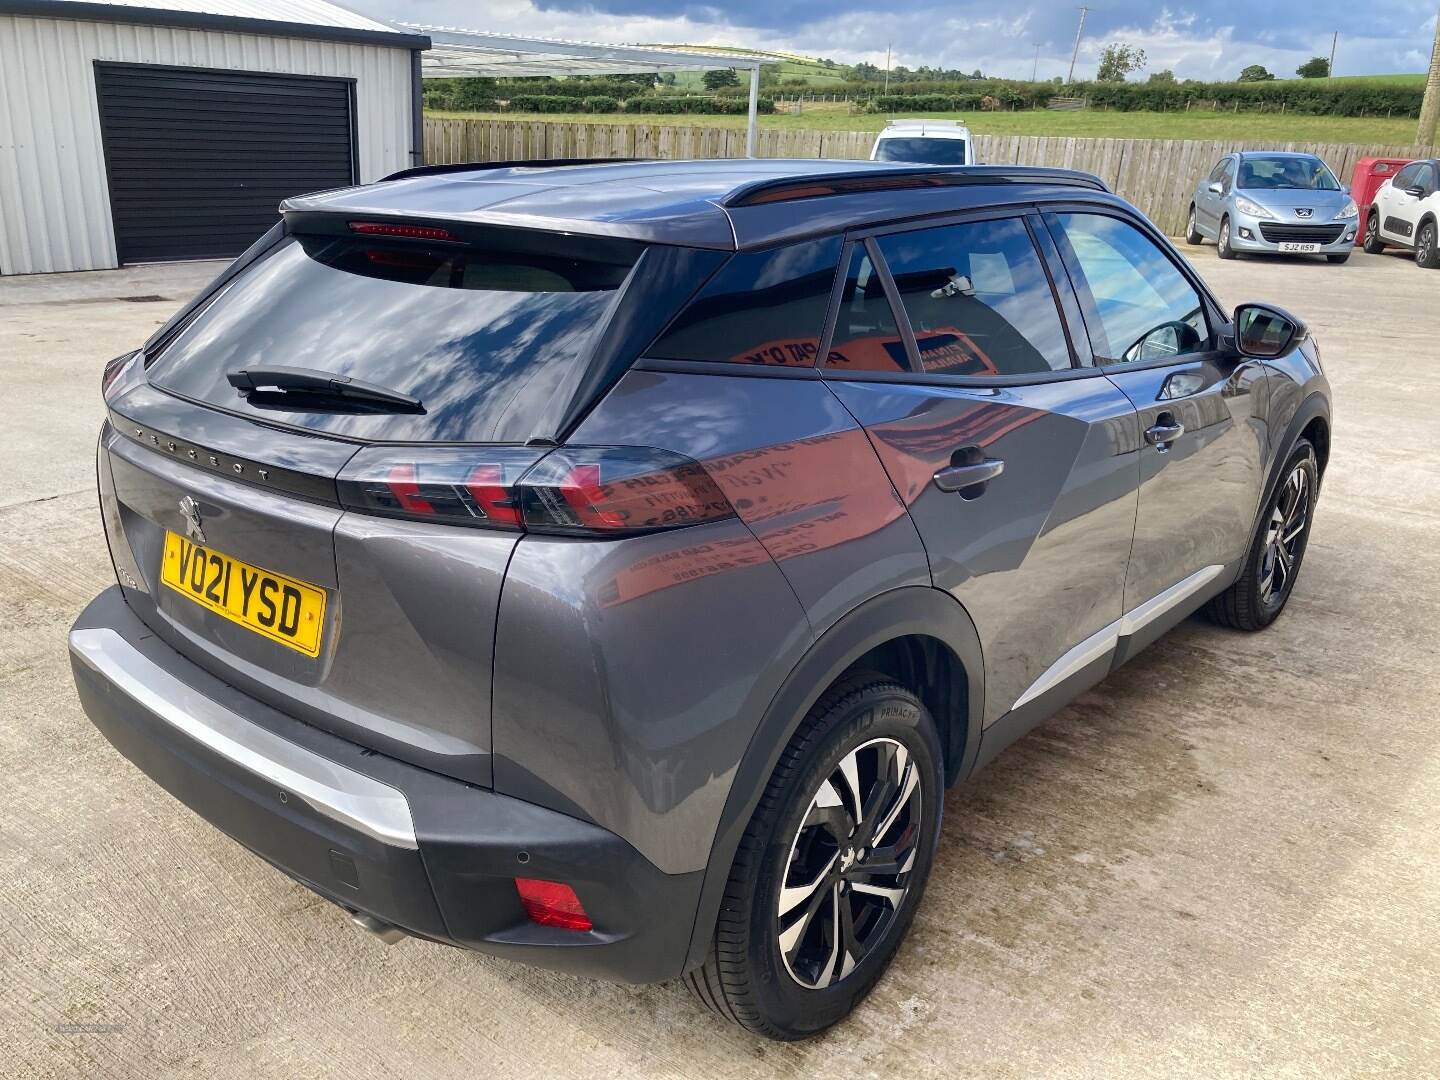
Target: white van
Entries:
(925, 142)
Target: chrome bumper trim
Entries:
(353, 799)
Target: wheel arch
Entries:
(1311, 420)
(918, 635)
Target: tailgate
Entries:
(401, 657)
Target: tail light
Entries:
(113, 368)
(552, 903)
(578, 491)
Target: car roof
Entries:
(725, 203)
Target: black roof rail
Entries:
(477, 166)
(786, 188)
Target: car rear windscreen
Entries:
(488, 337)
(922, 151)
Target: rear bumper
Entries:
(434, 856)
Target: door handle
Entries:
(1165, 431)
(962, 478)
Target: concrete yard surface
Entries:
(1222, 861)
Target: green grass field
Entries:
(1413, 79)
(1084, 124)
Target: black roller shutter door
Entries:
(198, 160)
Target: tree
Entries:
(1255, 73)
(1119, 60)
(1317, 67)
(1166, 76)
(714, 80)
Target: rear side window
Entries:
(978, 299)
(484, 336)
(866, 336)
(762, 307)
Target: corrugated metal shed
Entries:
(54, 205)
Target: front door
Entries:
(1017, 465)
(1208, 203)
(1201, 416)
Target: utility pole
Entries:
(887, 69)
(1078, 34)
(1330, 71)
(1035, 67)
(1430, 110)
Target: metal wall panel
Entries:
(54, 205)
(198, 159)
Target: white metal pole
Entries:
(754, 108)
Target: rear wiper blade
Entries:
(326, 384)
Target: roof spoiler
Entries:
(787, 188)
(480, 166)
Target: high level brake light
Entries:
(404, 232)
(575, 491)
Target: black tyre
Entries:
(1223, 247)
(1192, 234)
(832, 866)
(1338, 257)
(1427, 252)
(1273, 564)
(1373, 244)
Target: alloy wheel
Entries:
(1427, 242)
(850, 864)
(1284, 535)
(1372, 230)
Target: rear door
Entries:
(1201, 410)
(1398, 208)
(388, 637)
(1016, 462)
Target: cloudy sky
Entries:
(1205, 41)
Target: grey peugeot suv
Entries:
(608, 566)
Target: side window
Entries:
(978, 299)
(1139, 306)
(762, 307)
(1228, 176)
(866, 337)
(1217, 174)
(1425, 177)
(1405, 177)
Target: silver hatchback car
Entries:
(1273, 203)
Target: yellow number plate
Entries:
(275, 606)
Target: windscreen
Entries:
(1281, 171)
(922, 151)
(487, 337)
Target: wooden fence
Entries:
(1157, 175)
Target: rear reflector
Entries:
(408, 232)
(573, 491)
(552, 903)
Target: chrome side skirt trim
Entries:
(353, 799)
(1101, 643)
(1104, 640)
(1156, 606)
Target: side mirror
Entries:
(1216, 188)
(1264, 332)
(1415, 191)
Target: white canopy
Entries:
(470, 53)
